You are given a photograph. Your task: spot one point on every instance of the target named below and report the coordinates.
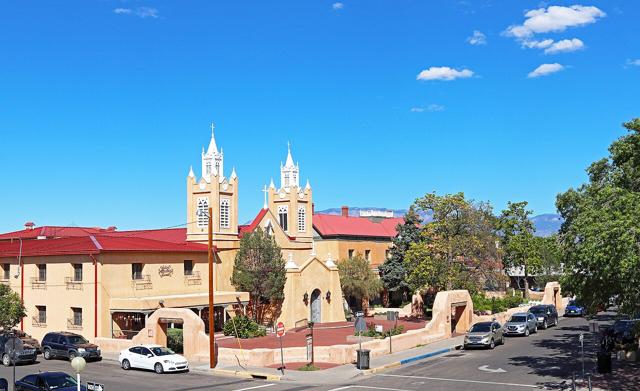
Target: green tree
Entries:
(358, 280)
(461, 239)
(520, 247)
(11, 308)
(393, 272)
(550, 259)
(600, 235)
(259, 269)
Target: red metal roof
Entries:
(338, 225)
(242, 229)
(54, 232)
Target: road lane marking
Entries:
(255, 387)
(368, 388)
(487, 369)
(462, 381)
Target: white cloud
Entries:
(142, 12)
(478, 38)
(431, 108)
(545, 69)
(337, 6)
(147, 12)
(565, 46)
(554, 19)
(444, 73)
(633, 63)
(533, 44)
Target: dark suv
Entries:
(69, 345)
(546, 314)
(24, 353)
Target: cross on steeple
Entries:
(212, 128)
(265, 191)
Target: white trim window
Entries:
(283, 214)
(224, 213)
(302, 216)
(202, 212)
(208, 168)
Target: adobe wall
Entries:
(553, 295)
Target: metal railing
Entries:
(37, 283)
(35, 320)
(72, 325)
(193, 279)
(142, 283)
(73, 284)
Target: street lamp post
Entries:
(78, 364)
(213, 360)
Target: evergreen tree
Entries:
(393, 271)
(259, 269)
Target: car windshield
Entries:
(537, 310)
(160, 351)
(76, 339)
(61, 380)
(573, 303)
(481, 328)
(518, 319)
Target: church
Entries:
(286, 215)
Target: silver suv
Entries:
(485, 334)
(521, 323)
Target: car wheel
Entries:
(6, 360)
(47, 354)
(544, 325)
(72, 355)
(158, 368)
(126, 365)
(526, 332)
(492, 344)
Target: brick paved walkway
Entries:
(324, 334)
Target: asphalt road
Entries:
(542, 360)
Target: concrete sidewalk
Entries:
(337, 374)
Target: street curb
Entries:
(410, 360)
(240, 374)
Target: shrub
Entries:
(174, 340)
(371, 331)
(482, 303)
(308, 367)
(244, 327)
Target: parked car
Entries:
(521, 323)
(574, 309)
(154, 357)
(24, 353)
(623, 330)
(546, 315)
(58, 381)
(485, 334)
(69, 345)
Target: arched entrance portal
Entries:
(316, 306)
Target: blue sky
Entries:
(104, 105)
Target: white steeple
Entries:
(191, 174)
(289, 172)
(212, 160)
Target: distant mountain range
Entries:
(546, 224)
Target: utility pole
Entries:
(213, 360)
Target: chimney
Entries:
(29, 225)
(345, 211)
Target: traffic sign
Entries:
(95, 386)
(280, 329)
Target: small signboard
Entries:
(95, 386)
(280, 329)
(360, 324)
(379, 328)
(309, 346)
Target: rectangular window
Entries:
(77, 316)
(136, 271)
(42, 313)
(6, 271)
(77, 272)
(224, 213)
(42, 272)
(283, 213)
(188, 268)
(202, 212)
(367, 255)
(302, 226)
(350, 253)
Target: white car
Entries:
(154, 357)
